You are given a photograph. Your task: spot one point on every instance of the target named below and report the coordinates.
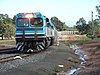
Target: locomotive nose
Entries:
(34, 31)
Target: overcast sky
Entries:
(68, 11)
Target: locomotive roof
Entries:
(35, 15)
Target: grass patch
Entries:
(96, 38)
(68, 43)
(85, 38)
(81, 40)
(57, 69)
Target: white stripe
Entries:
(17, 45)
(20, 46)
(29, 50)
(43, 44)
(41, 47)
(38, 46)
(30, 37)
(48, 43)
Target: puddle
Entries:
(72, 71)
(81, 55)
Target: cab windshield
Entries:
(36, 22)
(23, 22)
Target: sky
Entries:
(68, 11)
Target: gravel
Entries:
(18, 62)
(43, 63)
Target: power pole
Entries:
(92, 25)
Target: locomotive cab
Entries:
(34, 32)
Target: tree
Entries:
(13, 20)
(89, 29)
(97, 23)
(2, 30)
(96, 28)
(7, 29)
(98, 10)
(82, 26)
(58, 24)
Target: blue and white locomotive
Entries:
(34, 32)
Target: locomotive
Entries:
(34, 32)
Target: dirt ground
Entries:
(62, 56)
(7, 44)
(92, 66)
(55, 59)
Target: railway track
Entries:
(7, 51)
(15, 56)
